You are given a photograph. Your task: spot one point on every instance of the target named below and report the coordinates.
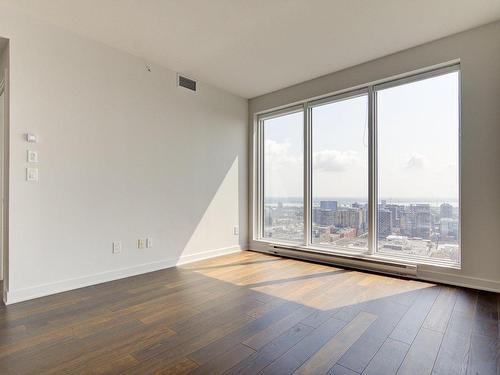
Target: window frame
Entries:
(371, 89)
(310, 106)
(260, 169)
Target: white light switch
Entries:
(236, 230)
(32, 156)
(141, 243)
(32, 174)
(149, 242)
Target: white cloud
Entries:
(416, 162)
(335, 160)
(279, 153)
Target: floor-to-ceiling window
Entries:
(373, 171)
(340, 173)
(418, 174)
(283, 150)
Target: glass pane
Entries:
(283, 178)
(340, 174)
(418, 168)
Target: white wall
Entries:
(479, 53)
(4, 118)
(124, 154)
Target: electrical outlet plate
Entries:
(117, 247)
(149, 242)
(32, 174)
(236, 230)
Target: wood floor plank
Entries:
(263, 337)
(225, 361)
(362, 351)
(296, 356)
(227, 342)
(422, 353)
(484, 355)
(410, 324)
(441, 310)
(324, 359)
(453, 356)
(270, 352)
(190, 341)
(388, 359)
(340, 370)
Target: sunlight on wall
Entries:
(215, 229)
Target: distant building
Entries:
(416, 221)
(323, 217)
(268, 218)
(384, 223)
(347, 233)
(322, 233)
(422, 220)
(446, 210)
(448, 228)
(396, 211)
(328, 205)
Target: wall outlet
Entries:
(141, 243)
(236, 230)
(149, 242)
(32, 174)
(117, 247)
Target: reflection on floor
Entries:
(250, 313)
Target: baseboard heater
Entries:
(380, 266)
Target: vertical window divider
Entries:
(260, 177)
(372, 171)
(307, 175)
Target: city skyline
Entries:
(411, 229)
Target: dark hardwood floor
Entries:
(250, 313)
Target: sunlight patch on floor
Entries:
(314, 285)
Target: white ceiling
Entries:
(251, 47)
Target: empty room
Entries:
(250, 187)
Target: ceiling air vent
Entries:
(186, 83)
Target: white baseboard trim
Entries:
(15, 296)
(459, 280)
(210, 254)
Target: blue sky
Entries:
(418, 145)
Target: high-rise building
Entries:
(446, 210)
(422, 221)
(415, 221)
(396, 211)
(328, 205)
(448, 228)
(323, 217)
(349, 218)
(384, 223)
